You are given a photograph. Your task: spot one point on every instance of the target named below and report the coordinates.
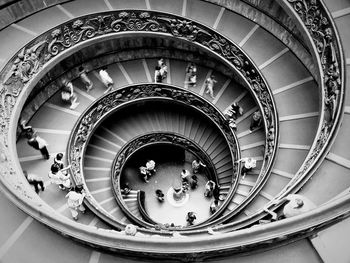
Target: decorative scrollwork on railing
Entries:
(328, 48)
(25, 66)
(108, 104)
(150, 139)
(47, 46)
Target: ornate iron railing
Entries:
(36, 58)
(319, 26)
(103, 107)
(31, 62)
(317, 22)
(328, 50)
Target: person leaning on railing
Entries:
(297, 204)
(197, 166)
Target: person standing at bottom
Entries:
(191, 216)
(209, 187)
(75, 202)
(197, 166)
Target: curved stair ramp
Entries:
(293, 89)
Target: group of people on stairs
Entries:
(59, 175)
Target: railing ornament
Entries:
(328, 48)
(109, 103)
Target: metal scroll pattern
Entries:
(327, 45)
(28, 62)
(111, 101)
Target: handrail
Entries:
(141, 206)
(308, 223)
(263, 14)
(154, 246)
(326, 45)
(145, 140)
(74, 34)
(318, 24)
(100, 109)
(46, 48)
(314, 18)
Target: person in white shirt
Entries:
(197, 166)
(151, 166)
(185, 175)
(75, 202)
(163, 68)
(68, 95)
(144, 173)
(60, 177)
(209, 84)
(248, 164)
(106, 79)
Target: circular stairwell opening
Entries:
(169, 160)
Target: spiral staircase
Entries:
(284, 57)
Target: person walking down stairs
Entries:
(209, 85)
(35, 180)
(75, 202)
(40, 144)
(248, 164)
(85, 79)
(163, 68)
(106, 79)
(68, 95)
(191, 75)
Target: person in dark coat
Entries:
(35, 180)
(40, 144)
